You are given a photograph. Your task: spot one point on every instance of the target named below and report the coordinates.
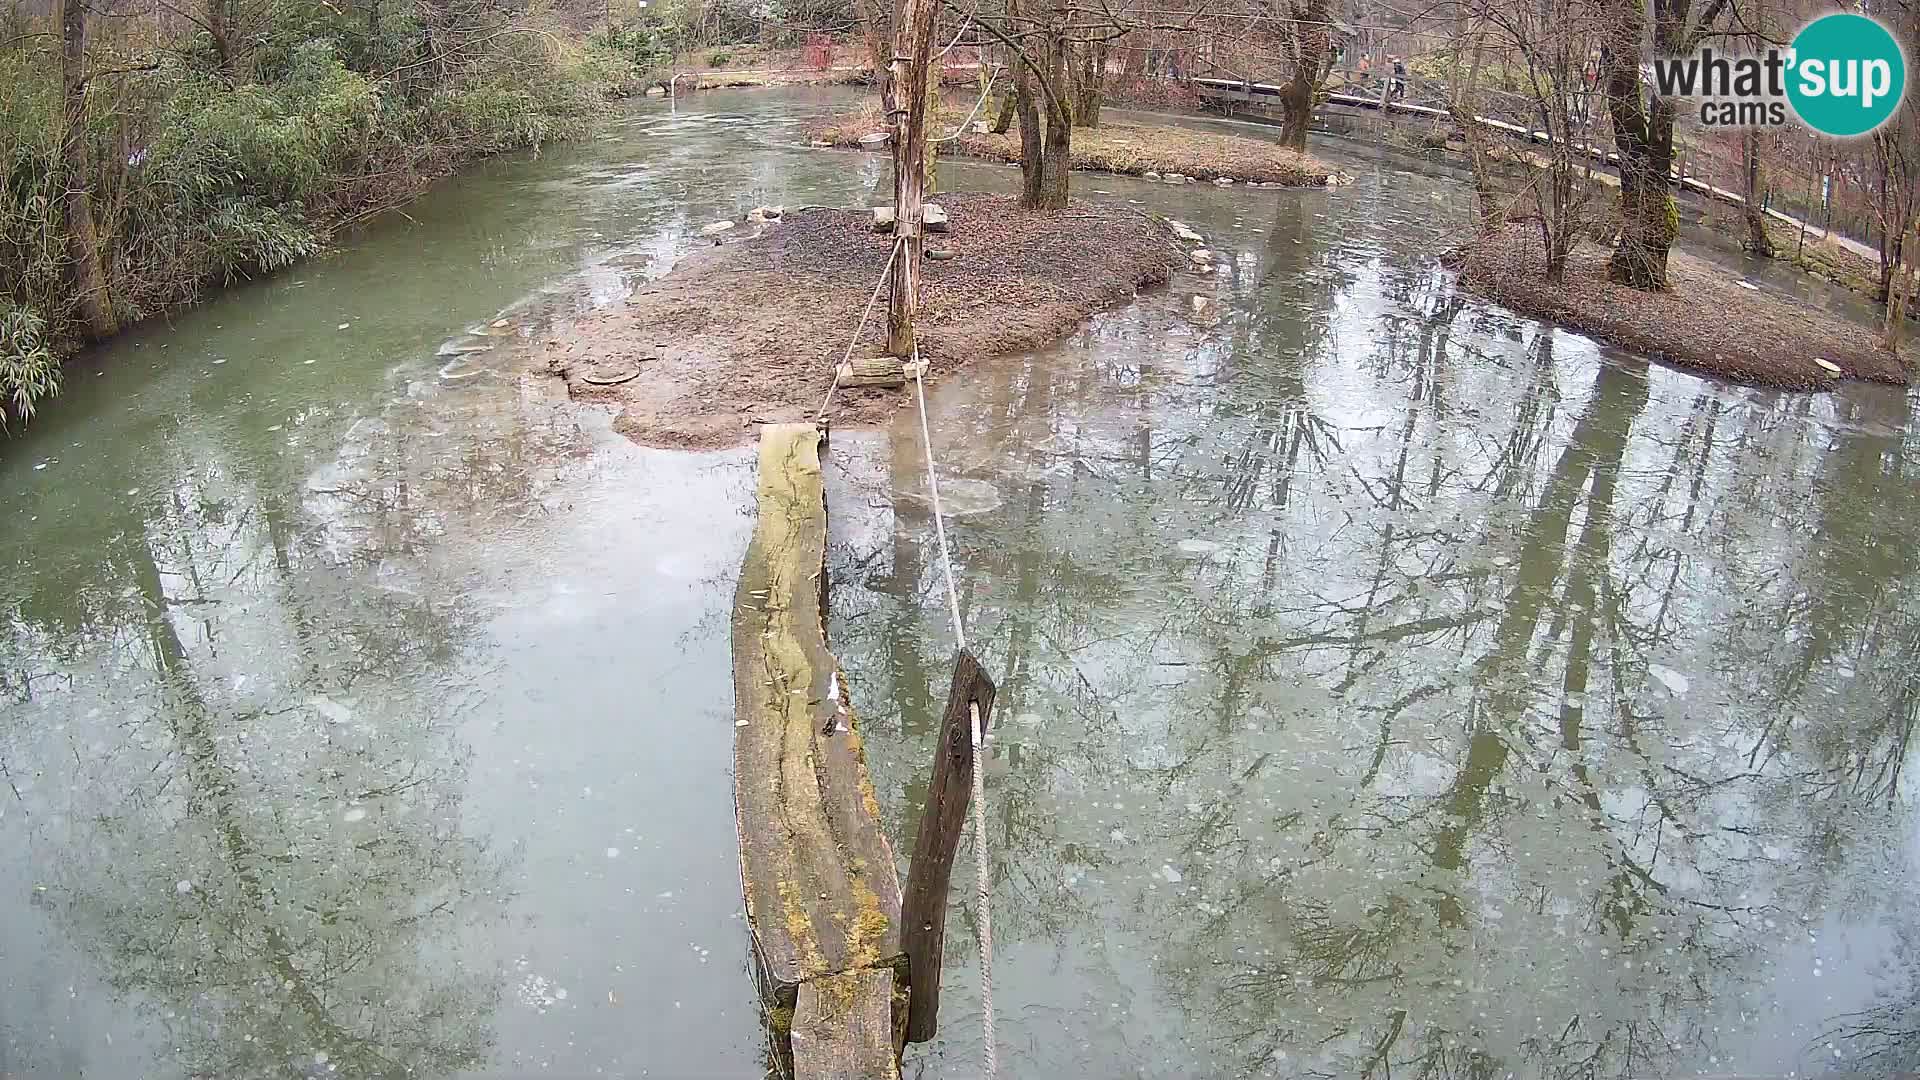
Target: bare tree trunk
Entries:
(930, 154)
(1899, 291)
(876, 30)
(1464, 108)
(1090, 86)
(220, 29)
(1005, 110)
(907, 93)
(1312, 47)
(1643, 137)
(83, 235)
(1754, 194)
(1806, 213)
(1056, 160)
(1032, 149)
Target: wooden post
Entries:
(907, 83)
(923, 911)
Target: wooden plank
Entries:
(821, 893)
(843, 1028)
(924, 908)
(887, 372)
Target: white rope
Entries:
(983, 878)
(898, 243)
(992, 76)
(933, 494)
(983, 895)
(958, 34)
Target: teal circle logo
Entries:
(1848, 74)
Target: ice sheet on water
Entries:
(1669, 678)
(331, 710)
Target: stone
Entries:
(1223, 181)
(1174, 178)
(715, 228)
(1151, 175)
(766, 213)
(933, 217)
(938, 254)
(1200, 255)
(1184, 232)
(875, 140)
(1827, 365)
(656, 91)
(882, 218)
(818, 142)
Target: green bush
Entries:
(719, 58)
(203, 175)
(29, 370)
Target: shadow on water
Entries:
(1390, 684)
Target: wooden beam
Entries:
(821, 892)
(906, 89)
(843, 1028)
(924, 907)
(882, 371)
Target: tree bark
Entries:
(1004, 111)
(1464, 107)
(1032, 149)
(1090, 86)
(1754, 193)
(83, 235)
(1899, 292)
(1643, 137)
(906, 94)
(1312, 48)
(1056, 160)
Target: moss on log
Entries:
(821, 893)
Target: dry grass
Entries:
(1706, 322)
(1116, 146)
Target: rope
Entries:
(983, 885)
(983, 878)
(939, 518)
(898, 243)
(992, 77)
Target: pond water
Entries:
(1389, 685)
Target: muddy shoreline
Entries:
(750, 331)
(1126, 148)
(1707, 323)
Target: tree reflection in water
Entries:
(1404, 690)
(259, 822)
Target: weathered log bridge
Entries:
(843, 987)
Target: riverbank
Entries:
(238, 159)
(1117, 146)
(749, 332)
(1707, 322)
